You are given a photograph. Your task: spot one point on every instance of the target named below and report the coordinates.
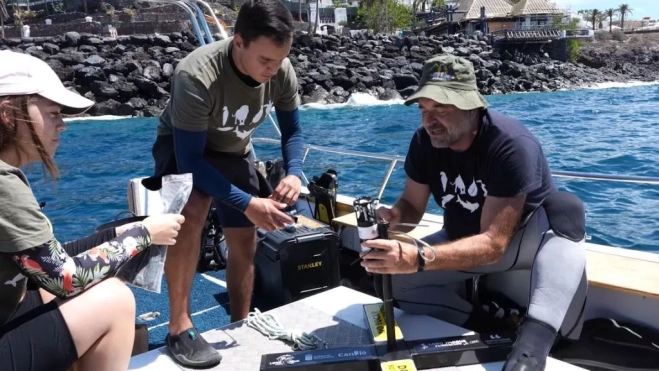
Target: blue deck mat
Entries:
(204, 295)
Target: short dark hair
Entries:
(269, 18)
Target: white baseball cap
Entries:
(23, 74)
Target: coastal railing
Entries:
(524, 33)
(579, 33)
(538, 32)
(534, 27)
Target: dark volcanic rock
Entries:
(635, 60)
(130, 75)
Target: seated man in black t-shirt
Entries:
(502, 212)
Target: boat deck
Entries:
(336, 316)
(623, 285)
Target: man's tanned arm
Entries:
(412, 204)
(499, 220)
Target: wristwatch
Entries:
(421, 258)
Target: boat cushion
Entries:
(607, 344)
(566, 214)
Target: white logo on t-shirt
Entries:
(240, 118)
(460, 189)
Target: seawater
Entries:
(613, 131)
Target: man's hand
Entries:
(265, 214)
(288, 190)
(390, 215)
(390, 257)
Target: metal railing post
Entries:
(274, 124)
(385, 181)
(185, 4)
(304, 158)
(223, 32)
(193, 19)
(204, 24)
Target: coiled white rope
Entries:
(268, 325)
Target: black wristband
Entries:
(422, 261)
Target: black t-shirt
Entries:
(504, 160)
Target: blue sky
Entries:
(640, 8)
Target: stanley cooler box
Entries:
(293, 264)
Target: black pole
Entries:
(387, 295)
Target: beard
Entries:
(443, 136)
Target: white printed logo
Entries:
(240, 119)
(460, 189)
(285, 359)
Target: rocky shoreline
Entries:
(129, 76)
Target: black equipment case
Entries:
(293, 264)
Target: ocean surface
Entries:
(612, 130)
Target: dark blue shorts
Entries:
(238, 170)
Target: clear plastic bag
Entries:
(146, 269)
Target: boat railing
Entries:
(394, 159)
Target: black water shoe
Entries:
(190, 349)
(532, 347)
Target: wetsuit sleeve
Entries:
(189, 147)
(516, 167)
(291, 140)
(63, 275)
(416, 161)
(191, 107)
(78, 246)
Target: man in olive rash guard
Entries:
(220, 93)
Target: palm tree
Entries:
(601, 17)
(610, 13)
(593, 16)
(623, 9)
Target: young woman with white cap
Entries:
(58, 302)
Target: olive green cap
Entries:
(448, 79)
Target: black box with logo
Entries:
(292, 264)
(462, 350)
